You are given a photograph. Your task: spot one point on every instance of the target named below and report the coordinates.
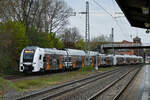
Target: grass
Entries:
(50, 80)
(86, 69)
(106, 68)
(46, 81)
(4, 84)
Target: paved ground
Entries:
(140, 87)
(146, 87)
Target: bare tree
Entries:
(19, 10)
(45, 15)
(56, 13)
(71, 35)
(102, 38)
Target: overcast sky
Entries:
(101, 22)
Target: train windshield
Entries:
(28, 56)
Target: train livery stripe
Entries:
(48, 63)
(60, 62)
(74, 62)
(83, 61)
(93, 62)
(99, 61)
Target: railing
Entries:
(121, 45)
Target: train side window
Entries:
(105, 59)
(70, 59)
(58, 59)
(44, 59)
(63, 59)
(40, 57)
(86, 59)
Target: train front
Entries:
(27, 60)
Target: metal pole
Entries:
(113, 41)
(87, 30)
(96, 65)
(88, 24)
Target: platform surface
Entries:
(145, 89)
(139, 89)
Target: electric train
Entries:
(36, 59)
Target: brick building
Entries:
(130, 51)
(137, 40)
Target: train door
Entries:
(117, 62)
(121, 61)
(127, 60)
(124, 60)
(103, 60)
(40, 61)
(57, 62)
(79, 61)
(111, 58)
(106, 61)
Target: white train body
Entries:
(35, 59)
(31, 59)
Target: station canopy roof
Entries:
(137, 12)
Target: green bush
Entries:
(45, 40)
(13, 40)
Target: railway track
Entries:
(67, 87)
(103, 92)
(29, 76)
(14, 77)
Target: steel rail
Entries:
(101, 75)
(97, 94)
(121, 92)
(72, 88)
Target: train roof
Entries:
(76, 52)
(140, 57)
(31, 47)
(119, 56)
(101, 54)
(93, 53)
(110, 55)
(54, 51)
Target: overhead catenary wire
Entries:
(109, 15)
(126, 25)
(113, 2)
(113, 7)
(102, 8)
(97, 7)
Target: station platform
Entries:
(139, 89)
